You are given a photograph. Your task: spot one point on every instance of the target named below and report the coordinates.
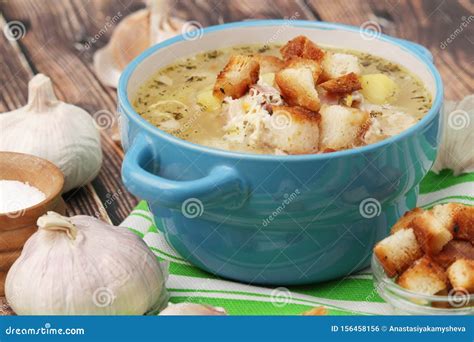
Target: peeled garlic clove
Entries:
(48, 128)
(456, 148)
(192, 309)
(83, 266)
(133, 35)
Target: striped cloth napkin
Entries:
(353, 295)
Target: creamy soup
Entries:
(380, 100)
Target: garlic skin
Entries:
(456, 150)
(192, 309)
(48, 128)
(133, 35)
(83, 266)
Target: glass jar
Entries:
(405, 302)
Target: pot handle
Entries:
(222, 186)
(420, 49)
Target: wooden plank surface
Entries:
(57, 32)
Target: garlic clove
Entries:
(134, 34)
(48, 128)
(52, 221)
(455, 150)
(192, 309)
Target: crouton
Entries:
(454, 250)
(405, 221)
(431, 232)
(464, 223)
(297, 62)
(342, 127)
(446, 214)
(398, 251)
(342, 85)
(269, 64)
(301, 46)
(339, 64)
(461, 275)
(297, 87)
(236, 77)
(424, 276)
(294, 130)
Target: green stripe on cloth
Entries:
(353, 295)
(434, 182)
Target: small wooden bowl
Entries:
(16, 227)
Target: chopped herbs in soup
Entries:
(293, 99)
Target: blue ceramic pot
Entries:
(268, 219)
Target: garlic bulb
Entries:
(456, 150)
(192, 309)
(83, 266)
(51, 129)
(132, 36)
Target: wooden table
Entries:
(57, 33)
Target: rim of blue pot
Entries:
(127, 106)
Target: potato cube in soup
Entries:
(207, 99)
(378, 88)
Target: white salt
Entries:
(15, 196)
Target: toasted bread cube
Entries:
(446, 214)
(461, 275)
(454, 250)
(298, 62)
(269, 64)
(236, 77)
(342, 85)
(267, 79)
(339, 64)
(298, 88)
(405, 221)
(301, 46)
(342, 127)
(431, 232)
(424, 276)
(464, 223)
(398, 251)
(294, 130)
